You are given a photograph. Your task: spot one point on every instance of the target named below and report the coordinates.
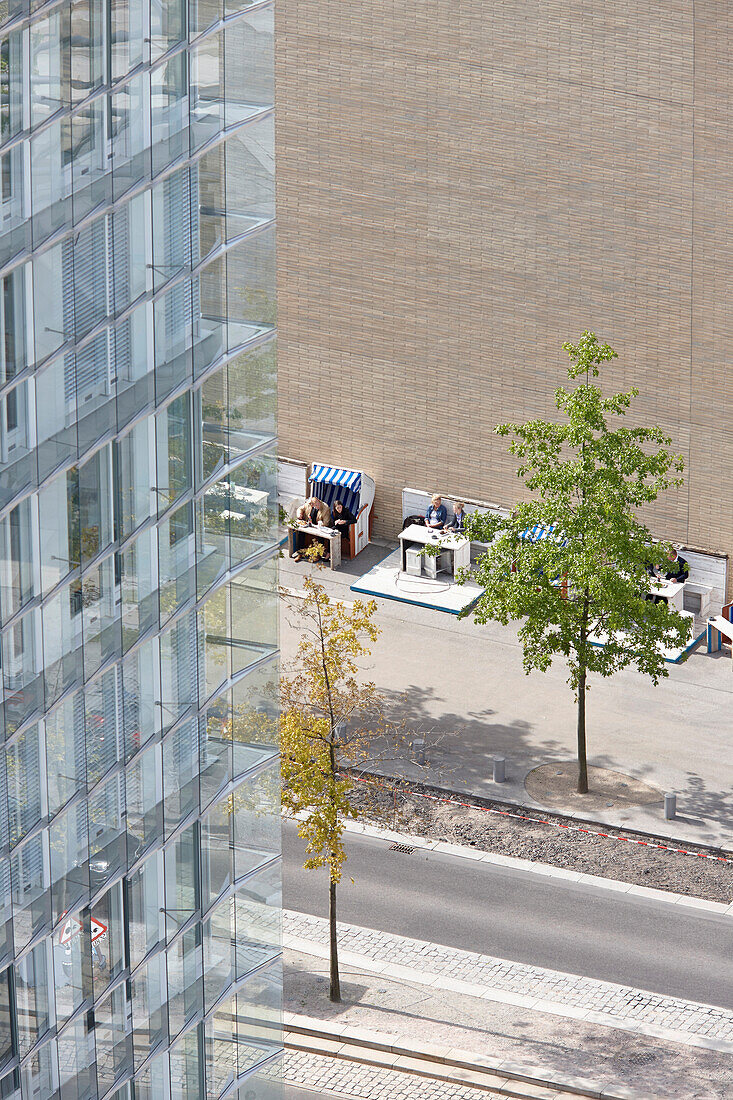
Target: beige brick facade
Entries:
(461, 188)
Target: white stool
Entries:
(431, 566)
(413, 561)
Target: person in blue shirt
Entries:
(458, 523)
(436, 514)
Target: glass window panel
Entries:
(96, 510)
(258, 920)
(14, 208)
(76, 1061)
(212, 400)
(23, 763)
(6, 1034)
(104, 747)
(46, 67)
(134, 475)
(65, 751)
(139, 576)
(177, 553)
(129, 253)
(207, 191)
(87, 48)
(254, 614)
(169, 112)
(251, 390)
(147, 919)
(221, 1049)
(59, 516)
(127, 36)
(72, 965)
(174, 450)
(171, 227)
(250, 176)
(107, 849)
(181, 879)
(11, 85)
(173, 334)
(31, 898)
(210, 324)
(141, 696)
(179, 669)
(108, 944)
(217, 640)
(40, 1074)
(90, 277)
(18, 536)
(154, 1081)
(134, 364)
(259, 1017)
(207, 91)
(14, 318)
(184, 980)
(69, 860)
(251, 285)
(253, 518)
(144, 802)
(22, 669)
(55, 322)
(149, 1001)
(181, 773)
(218, 952)
(212, 529)
(249, 65)
(216, 749)
(256, 820)
(202, 13)
(31, 994)
(18, 463)
(62, 640)
(91, 175)
(167, 25)
(129, 115)
(254, 718)
(113, 1040)
(56, 415)
(6, 910)
(216, 869)
(102, 638)
(51, 152)
(186, 1069)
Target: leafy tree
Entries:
(331, 726)
(588, 577)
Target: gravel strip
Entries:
(593, 855)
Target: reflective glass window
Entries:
(253, 519)
(133, 352)
(59, 517)
(69, 860)
(216, 863)
(23, 764)
(248, 65)
(138, 565)
(177, 556)
(207, 80)
(256, 820)
(251, 391)
(149, 990)
(129, 115)
(181, 879)
(18, 536)
(171, 227)
(65, 751)
(251, 283)
(141, 701)
(130, 227)
(258, 920)
(259, 1017)
(135, 475)
(167, 25)
(11, 85)
(108, 938)
(96, 510)
(40, 1074)
(22, 669)
(181, 773)
(218, 952)
(250, 177)
(173, 315)
(6, 910)
(144, 802)
(210, 323)
(56, 415)
(46, 67)
(101, 617)
(173, 430)
(31, 897)
(147, 919)
(128, 36)
(14, 317)
(107, 840)
(216, 749)
(254, 716)
(179, 669)
(169, 112)
(51, 155)
(104, 743)
(32, 979)
(18, 468)
(113, 1040)
(76, 1061)
(62, 640)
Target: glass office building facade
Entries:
(139, 819)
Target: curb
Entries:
(451, 1064)
(719, 908)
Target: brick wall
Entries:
(461, 188)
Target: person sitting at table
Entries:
(314, 513)
(458, 522)
(342, 518)
(677, 569)
(437, 514)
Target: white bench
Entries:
(719, 629)
(698, 598)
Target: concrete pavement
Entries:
(465, 682)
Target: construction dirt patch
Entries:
(497, 827)
(555, 785)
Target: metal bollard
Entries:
(499, 769)
(670, 806)
(418, 749)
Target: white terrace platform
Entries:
(386, 579)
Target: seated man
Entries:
(342, 518)
(314, 513)
(436, 515)
(458, 522)
(677, 570)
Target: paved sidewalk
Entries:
(332, 1076)
(532, 987)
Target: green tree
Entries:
(332, 725)
(589, 575)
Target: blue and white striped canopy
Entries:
(542, 531)
(331, 483)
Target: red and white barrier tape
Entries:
(545, 821)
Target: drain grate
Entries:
(405, 849)
(642, 1058)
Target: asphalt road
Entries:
(524, 917)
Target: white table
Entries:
(672, 592)
(328, 534)
(456, 545)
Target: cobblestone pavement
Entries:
(533, 984)
(352, 1079)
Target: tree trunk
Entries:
(335, 987)
(582, 754)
